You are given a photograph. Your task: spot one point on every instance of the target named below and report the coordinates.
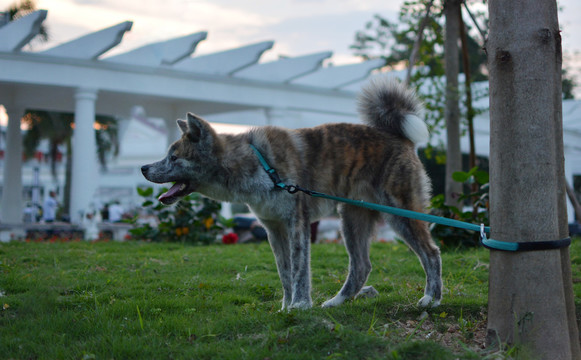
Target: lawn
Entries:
(136, 300)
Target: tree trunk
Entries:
(468, 90)
(469, 110)
(452, 112)
(530, 299)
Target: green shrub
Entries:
(194, 219)
(476, 198)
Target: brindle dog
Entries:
(375, 162)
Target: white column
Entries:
(11, 203)
(84, 180)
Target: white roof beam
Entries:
(285, 69)
(165, 83)
(16, 34)
(225, 62)
(161, 53)
(93, 45)
(333, 77)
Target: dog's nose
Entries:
(144, 169)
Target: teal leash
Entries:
(488, 243)
(403, 212)
(523, 246)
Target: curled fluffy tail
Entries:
(389, 105)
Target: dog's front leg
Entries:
(290, 243)
(280, 245)
(300, 240)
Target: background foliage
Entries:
(476, 195)
(194, 219)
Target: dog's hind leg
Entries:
(417, 235)
(357, 225)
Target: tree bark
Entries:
(452, 112)
(530, 299)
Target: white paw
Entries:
(427, 300)
(368, 292)
(285, 305)
(336, 301)
(301, 305)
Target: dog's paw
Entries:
(368, 292)
(427, 300)
(336, 301)
(301, 305)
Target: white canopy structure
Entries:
(165, 79)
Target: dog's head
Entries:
(189, 161)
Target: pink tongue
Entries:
(171, 192)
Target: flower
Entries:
(231, 238)
(183, 230)
(208, 222)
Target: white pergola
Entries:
(167, 80)
(162, 77)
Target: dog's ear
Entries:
(183, 125)
(195, 128)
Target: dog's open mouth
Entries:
(176, 192)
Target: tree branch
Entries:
(417, 42)
(475, 22)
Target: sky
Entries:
(298, 27)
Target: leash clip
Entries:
(482, 232)
(292, 189)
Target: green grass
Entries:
(138, 300)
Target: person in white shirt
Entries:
(49, 208)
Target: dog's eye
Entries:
(173, 158)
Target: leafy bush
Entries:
(477, 213)
(194, 219)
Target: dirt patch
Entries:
(454, 333)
